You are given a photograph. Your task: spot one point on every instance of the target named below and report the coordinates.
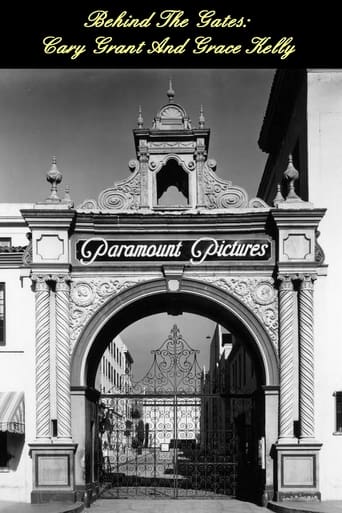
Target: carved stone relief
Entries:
(258, 294)
(187, 165)
(87, 295)
(319, 253)
(171, 144)
(127, 195)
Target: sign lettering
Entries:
(96, 250)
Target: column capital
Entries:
(306, 281)
(62, 281)
(285, 281)
(40, 282)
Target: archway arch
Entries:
(142, 300)
(153, 297)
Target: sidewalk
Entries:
(24, 507)
(169, 506)
(172, 506)
(306, 507)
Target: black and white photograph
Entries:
(169, 287)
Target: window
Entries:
(2, 314)
(5, 242)
(338, 399)
(172, 185)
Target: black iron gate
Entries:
(168, 435)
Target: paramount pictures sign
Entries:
(98, 250)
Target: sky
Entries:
(85, 118)
(150, 333)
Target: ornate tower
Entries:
(172, 153)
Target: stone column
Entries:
(42, 293)
(63, 356)
(200, 160)
(286, 346)
(146, 193)
(306, 357)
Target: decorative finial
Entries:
(201, 120)
(67, 199)
(170, 92)
(140, 118)
(291, 174)
(54, 176)
(279, 198)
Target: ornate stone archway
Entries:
(99, 267)
(227, 298)
(129, 302)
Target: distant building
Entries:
(229, 422)
(114, 371)
(215, 413)
(114, 377)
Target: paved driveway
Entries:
(174, 506)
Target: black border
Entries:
(315, 33)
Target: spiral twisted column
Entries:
(42, 313)
(63, 356)
(286, 357)
(306, 356)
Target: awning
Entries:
(12, 412)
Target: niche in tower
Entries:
(172, 185)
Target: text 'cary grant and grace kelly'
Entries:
(163, 33)
(98, 250)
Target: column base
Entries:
(289, 440)
(53, 472)
(297, 471)
(40, 497)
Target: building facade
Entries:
(303, 117)
(233, 416)
(114, 374)
(251, 265)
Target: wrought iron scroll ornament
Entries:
(174, 369)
